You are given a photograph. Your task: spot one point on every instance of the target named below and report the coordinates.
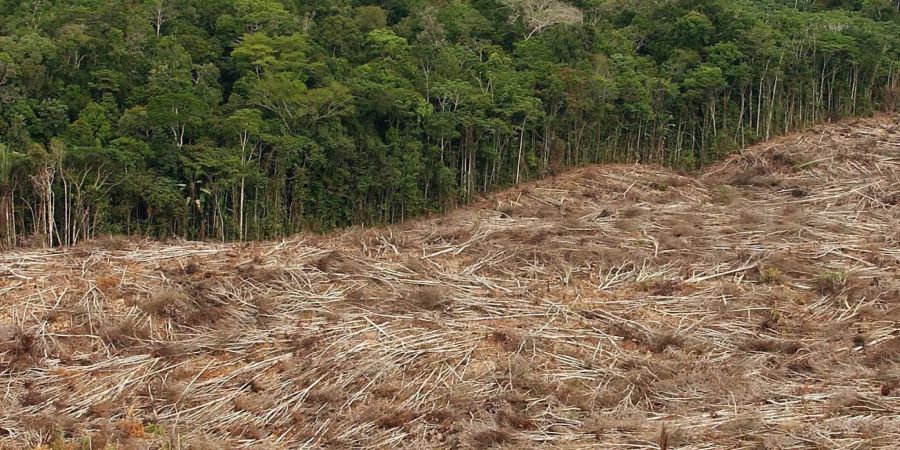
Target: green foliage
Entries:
(832, 281)
(155, 429)
(237, 119)
(769, 275)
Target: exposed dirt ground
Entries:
(756, 305)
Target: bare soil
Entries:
(755, 305)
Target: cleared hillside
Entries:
(755, 305)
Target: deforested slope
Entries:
(753, 305)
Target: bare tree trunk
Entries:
(521, 150)
(771, 107)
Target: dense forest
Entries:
(249, 119)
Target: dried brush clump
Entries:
(125, 332)
(885, 354)
(20, 349)
(336, 262)
(485, 437)
(771, 346)
(760, 175)
(432, 298)
(169, 303)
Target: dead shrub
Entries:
(335, 262)
(324, 395)
(845, 401)
(629, 333)
(457, 235)
(431, 298)
(537, 237)
(259, 273)
(199, 443)
(889, 388)
(663, 340)
(169, 350)
(125, 333)
(670, 242)
(247, 403)
(802, 365)
(632, 212)
(265, 307)
(663, 288)
(205, 310)
(246, 431)
(395, 418)
(325, 262)
(798, 192)
(507, 211)
(441, 416)
(741, 425)
(666, 437)
(611, 396)
(770, 346)
(111, 242)
(887, 352)
(634, 196)
(191, 268)
(169, 303)
(892, 199)
(488, 437)
(32, 397)
(357, 295)
(771, 321)
(757, 176)
(789, 264)
(544, 211)
(658, 186)
(100, 439)
(22, 348)
(415, 264)
(508, 339)
(642, 375)
(617, 257)
(724, 195)
(101, 410)
(787, 159)
(600, 426)
(574, 394)
(748, 217)
(304, 344)
(55, 426)
(626, 225)
(515, 418)
(519, 372)
(389, 390)
(682, 229)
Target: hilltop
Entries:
(753, 305)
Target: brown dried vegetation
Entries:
(752, 305)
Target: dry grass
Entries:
(752, 306)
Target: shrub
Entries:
(832, 281)
(769, 275)
(431, 298)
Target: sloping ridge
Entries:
(617, 305)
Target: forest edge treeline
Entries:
(253, 119)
